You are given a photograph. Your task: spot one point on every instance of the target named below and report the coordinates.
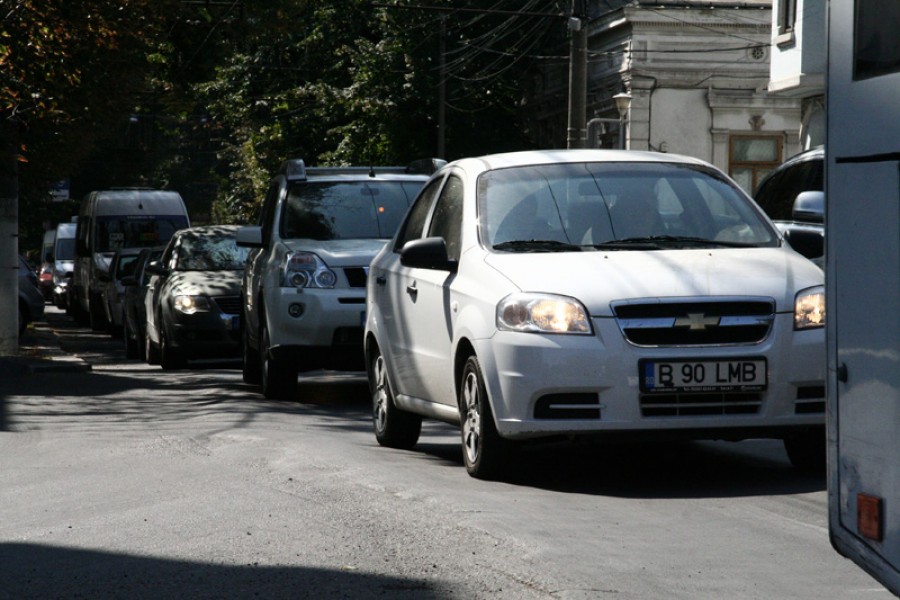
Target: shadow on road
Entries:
(38, 571)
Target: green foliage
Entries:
(210, 99)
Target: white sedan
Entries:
(592, 292)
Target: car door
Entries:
(424, 302)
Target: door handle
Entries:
(412, 290)
(381, 280)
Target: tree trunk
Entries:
(9, 239)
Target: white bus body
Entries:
(863, 284)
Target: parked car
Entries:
(305, 284)
(31, 301)
(134, 311)
(193, 299)
(45, 271)
(593, 292)
(63, 264)
(112, 294)
(793, 196)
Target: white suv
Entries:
(304, 287)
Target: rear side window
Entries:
(777, 194)
(414, 226)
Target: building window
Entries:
(752, 157)
(876, 51)
(787, 16)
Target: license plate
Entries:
(673, 376)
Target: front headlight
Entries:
(306, 270)
(543, 313)
(809, 308)
(189, 304)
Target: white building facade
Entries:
(698, 74)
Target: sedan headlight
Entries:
(189, 304)
(809, 308)
(543, 313)
(306, 270)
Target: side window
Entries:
(414, 225)
(447, 220)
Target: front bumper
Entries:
(543, 385)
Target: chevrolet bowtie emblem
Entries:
(696, 321)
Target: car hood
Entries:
(599, 278)
(341, 253)
(205, 283)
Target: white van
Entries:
(63, 261)
(113, 220)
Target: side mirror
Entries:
(249, 237)
(809, 206)
(809, 243)
(427, 253)
(156, 268)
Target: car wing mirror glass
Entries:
(427, 253)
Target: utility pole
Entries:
(576, 134)
(442, 91)
(9, 238)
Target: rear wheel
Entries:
(484, 451)
(278, 377)
(394, 428)
(130, 340)
(251, 364)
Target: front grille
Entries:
(705, 404)
(230, 305)
(695, 322)
(567, 406)
(356, 276)
(810, 400)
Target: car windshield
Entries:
(118, 232)
(65, 249)
(346, 209)
(615, 206)
(214, 250)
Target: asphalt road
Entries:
(124, 481)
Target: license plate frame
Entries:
(683, 375)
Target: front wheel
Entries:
(130, 340)
(250, 361)
(170, 358)
(807, 451)
(484, 451)
(278, 377)
(394, 428)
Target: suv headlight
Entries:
(543, 313)
(809, 308)
(306, 270)
(189, 304)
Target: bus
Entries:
(862, 185)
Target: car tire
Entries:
(484, 452)
(130, 341)
(97, 315)
(394, 428)
(278, 378)
(151, 351)
(169, 358)
(250, 361)
(807, 451)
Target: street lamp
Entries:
(623, 102)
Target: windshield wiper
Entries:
(537, 246)
(655, 242)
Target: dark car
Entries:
(134, 314)
(193, 300)
(793, 197)
(112, 294)
(31, 300)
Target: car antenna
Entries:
(371, 171)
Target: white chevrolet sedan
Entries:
(593, 292)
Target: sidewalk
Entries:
(40, 350)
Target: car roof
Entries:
(540, 157)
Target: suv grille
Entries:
(702, 404)
(681, 322)
(230, 305)
(356, 276)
